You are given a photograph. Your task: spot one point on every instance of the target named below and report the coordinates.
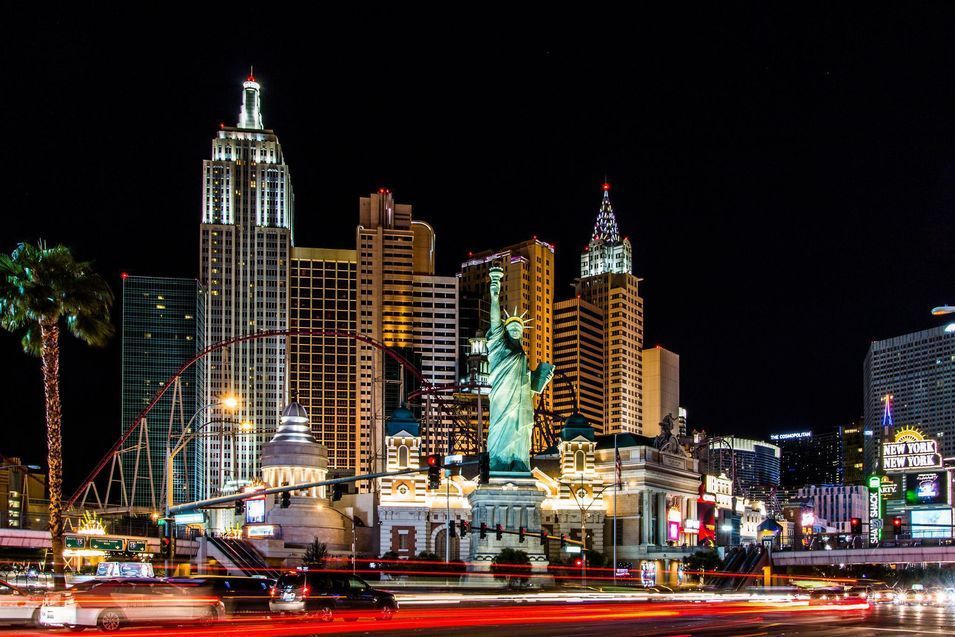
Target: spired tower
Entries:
(245, 242)
(607, 282)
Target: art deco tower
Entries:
(245, 241)
(608, 283)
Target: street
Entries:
(669, 618)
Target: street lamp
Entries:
(322, 507)
(231, 402)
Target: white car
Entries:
(18, 606)
(110, 604)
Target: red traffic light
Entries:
(897, 523)
(434, 460)
(578, 562)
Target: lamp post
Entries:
(231, 403)
(322, 507)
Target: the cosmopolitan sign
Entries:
(910, 451)
(798, 434)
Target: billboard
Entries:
(929, 487)
(892, 486)
(931, 523)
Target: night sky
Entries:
(787, 180)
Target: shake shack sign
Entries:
(911, 450)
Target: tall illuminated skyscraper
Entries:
(405, 306)
(579, 355)
(245, 243)
(322, 369)
(607, 282)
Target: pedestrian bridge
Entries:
(879, 555)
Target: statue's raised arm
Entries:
(496, 273)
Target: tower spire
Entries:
(250, 115)
(607, 251)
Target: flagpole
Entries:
(616, 481)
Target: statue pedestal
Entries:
(511, 500)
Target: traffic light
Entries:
(578, 562)
(520, 534)
(855, 526)
(286, 499)
(897, 525)
(483, 530)
(239, 507)
(165, 547)
(465, 528)
(543, 537)
(434, 470)
(499, 531)
(563, 541)
(452, 531)
(484, 463)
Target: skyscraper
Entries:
(608, 283)
(579, 355)
(661, 388)
(751, 462)
(917, 372)
(853, 447)
(527, 287)
(322, 369)
(810, 458)
(245, 244)
(399, 301)
(161, 330)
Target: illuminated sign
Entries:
(136, 546)
(673, 530)
(197, 517)
(911, 450)
(800, 434)
(261, 530)
(691, 526)
(255, 510)
(875, 509)
(74, 542)
(926, 488)
(808, 519)
(892, 487)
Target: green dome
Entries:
(402, 420)
(575, 426)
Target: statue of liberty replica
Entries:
(513, 386)
(511, 498)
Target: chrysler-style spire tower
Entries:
(606, 252)
(250, 116)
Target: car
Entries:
(914, 596)
(238, 594)
(18, 605)
(939, 596)
(110, 604)
(325, 594)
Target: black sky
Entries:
(788, 180)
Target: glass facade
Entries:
(813, 459)
(918, 371)
(161, 330)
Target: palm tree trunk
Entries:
(50, 335)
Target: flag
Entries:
(618, 467)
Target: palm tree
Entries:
(42, 289)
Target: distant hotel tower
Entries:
(161, 329)
(245, 241)
(608, 284)
(405, 306)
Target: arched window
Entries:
(579, 460)
(402, 456)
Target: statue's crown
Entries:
(517, 318)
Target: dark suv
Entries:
(238, 594)
(322, 593)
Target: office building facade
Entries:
(837, 504)
(917, 372)
(853, 446)
(245, 249)
(750, 462)
(162, 329)
(661, 389)
(810, 458)
(323, 367)
(579, 356)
